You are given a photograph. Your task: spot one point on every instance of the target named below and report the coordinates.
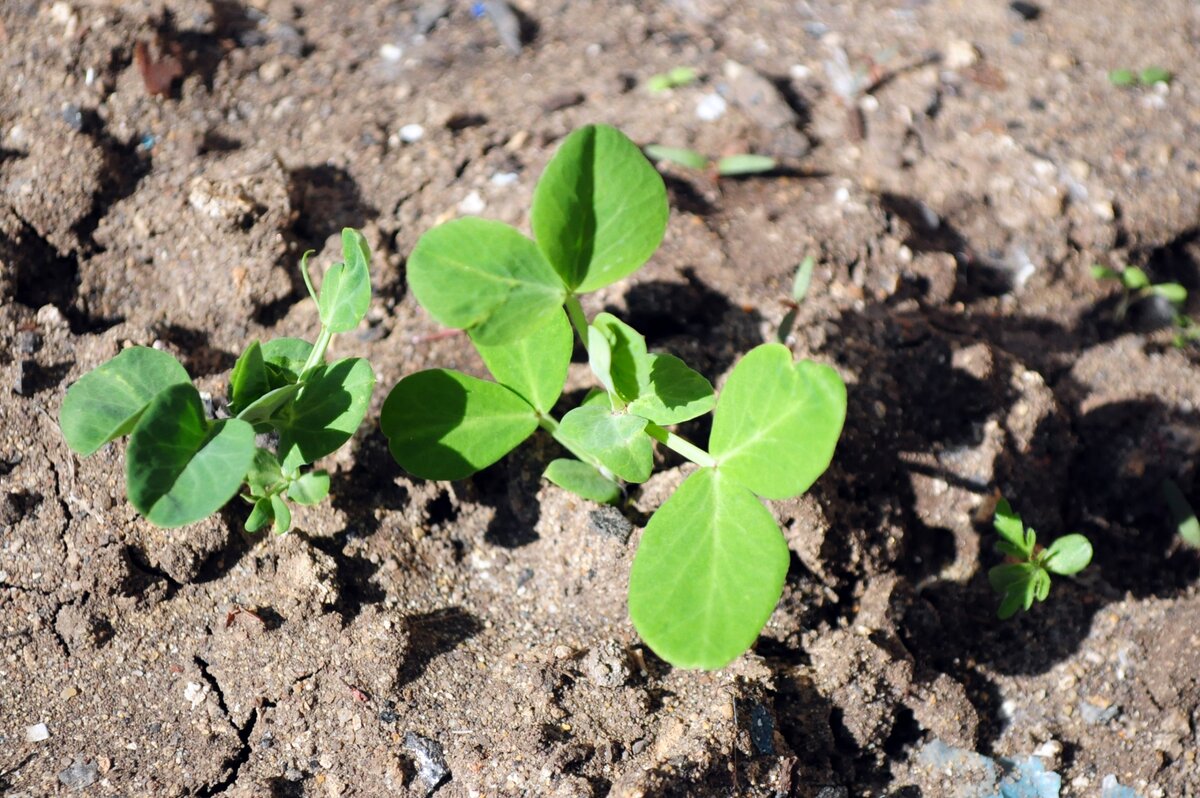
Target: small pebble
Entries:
(711, 107)
(430, 761)
(472, 204)
(80, 775)
(37, 733)
(960, 54)
(1025, 10)
(504, 178)
(73, 115)
(391, 52)
(412, 133)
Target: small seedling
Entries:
(711, 563)
(1147, 77)
(800, 285)
(1025, 575)
(1182, 514)
(727, 166)
(181, 465)
(674, 78)
(1137, 286)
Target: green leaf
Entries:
(1009, 526)
(1174, 293)
(1011, 601)
(327, 411)
(180, 468)
(679, 155)
(1068, 555)
(707, 574)
(285, 358)
(1134, 278)
(1015, 583)
(674, 393)
(346, 289)
(802, 279)
(281, 513)
(617, 440)
(535, 367)
(777, 422)
(1151, 75)
(485, 277)
(679, 76)
(734, 165)
(106, 402)
(260, 516)
(600, 356)
(1039, 586)
(582, 480)
(264, 473)
(1105, 273)
(265, 406)
(248, 380)
(310, 488)
(444, 424)
(599, 209)
(1122, 77)
(1182, 514)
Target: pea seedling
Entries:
(1026, 574)
(181, 466)
(712, 561)
(1137, 286)
(727, 166)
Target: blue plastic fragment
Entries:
(478, 10)
(979, 776)
(1111, 788)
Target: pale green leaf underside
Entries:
(617, 440)
(179, 468)
(535, 367)
(599, 209)
(327, 411)
(346, 289)
(486, 277)
(708, 573)
(443, 424)
(777, 422)
(582, 480)
(675, 392)
(105, 403)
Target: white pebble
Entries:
(194, 694)
(411, 133)
(504, 178)
(711, 107)
(37, 733)
(472, 204)
(842, 195)
(390, 52)
(799, 72)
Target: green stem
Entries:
(681, 445)
(317, 356)
(578, 319)
(550, 425)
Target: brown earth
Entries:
(408, 628)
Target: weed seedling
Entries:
(800, 285)
(1136, 286)
(727, 166)
(711, 563)
(1182, 514)
(181, 465)
(1149, 76)
(674, 78)
(1025, 575)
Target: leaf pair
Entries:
(1020, 583)
(712, 561)
(726, 166)
(599, 212)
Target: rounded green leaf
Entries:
(599, 209)
(627, 360)
(179, 467)
(264, 473)
(346, 289)
(310, 488)
(106, 402)
(707, 574)
(1068, 555)
(281, 513)
(443, 424)
(617, 440)
(328, 409)
(582, 480)
(1010, 527)
(1174, 293)
(260, 516)
(485, 277)
(535, 367)
(679, 155)
(285, 359)
(248, 381)
(674, 392)
(745, 164)
(777, 422)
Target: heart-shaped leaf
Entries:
(535, 367)
(674, 393)
(599, 209)
(777, 422)
(617, 440)
(346, 289)
(248, 381)
(582, 480)
(310, 488)
(485, 277)
(327, 411)
(443, 424)
(708, 573)
(106, 402)
(285, 359)
(179, 467)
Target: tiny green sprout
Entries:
(1182, 514)
(672, 79)
(711, 564)
(800, 285)
(1186, 331)
(1137, 286)
(182, 465)
(1122, 77)
(1152, 75)
(1149, 76)
(1025, 575)
(727, 166)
